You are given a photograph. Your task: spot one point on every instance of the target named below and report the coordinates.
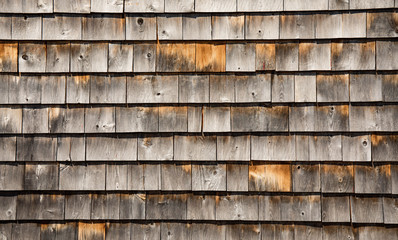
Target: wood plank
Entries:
(253, 88)
(175, 57)
(60, 231)
(243, 231)
(233, 148)
(179, 5)
(372, 179)
(91, 231)
(307, 232)
(192, 148)
(273, 148)
(237, 177)
(215, 6)
(201, 207)
(337, 178)
(116, 177)
(8, 209)
(376, 232)
(9, 57)
(176, 177)
(329, 26)
(366, 209)
(11, 120)
(146, 231)
(305, 88)
(32, 57)
(394, 178)
(120, 57)
(8, 147)
(155, 148)
(24, 89)
(41, 177)
(365, 88)
(241, 57)
(259, 6)
(173, 119)
(35, 120)
(372, 118)
(389, 87)
(36, 148)
(302, 147)
(382, 24)
(314, 56)
(105, 206)
(77, 207)
(80, 177)
(301, 208)
(357, 148)
(141, 27)
(57, 59)
(5, 27)
(270, 178)
(282, 88)
(325, 148)
(336, 209)
(71, 149)
(107, 89)
(147, 6)
(332, 118)
(78, 89)
(216, 119)
(306, 178)
(337, 232)
(4, 91)
(62, 27)
(332, 88)
(237, 207)
(40, 207)
(136, 177)
(222, 88)
(89, 57)
(11, 177)
(386, 57)
(132, 206)
(339, 5)
(72, 6)
(26, 27)
(297, 26)
(37, 6)
(118, 230)
(166, 206)
(306, 5)
(195, 119)
(152, 89)
(210, 57)
(99, 119)
(28, 231)
(152, 177)
(169, 27)
(287, 57)
(389, 210)
(225, 27)
(353, 55)
(354, 25)
(356, 4)
(202, 231)
(196, 27)
(144, 58)
(193, 89)
(115, 6)
(384, 148)
(265, 56)
(173, 231)
(277, 231)
(209, 177)
(66, 120)
(111, 148)
(103, 27)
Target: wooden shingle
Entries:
(57, 59)
(353, 55)
(78, 89)
(237, 177)
(11, 120)
(206, 177)
(306, 178)
(99, 119)
(144, 58)
(215, 6)
(141, 6)
(384, 148)
(389, 210)
(166, 206)
(192, 148)
(195, 119)
(91, 230)
(155, 148)
(116, 177)
(270, 178)
(382, 24)
(305, 88)
(210, 57)
(233, 148)
(12, 177)
(103, 27)
(291, 5)
(71, 149)
(196, 27)
(222, 88)
(105, 206)
(273, 148)
(314, 56)
(120, 57)
(332, 118)
(32, 57)
(8, 147)
(41, 177)
(207, 231)
(5, 27)
(72, 6)
(36, 148)
(173, 119)
(176, 177)
(107, 89)
(179, 5)
(26, 27)
(114, 6)
(337, 178)
(8, 209)
(325, 148)
(277, 231)
(241, 57)
(237, 207)
(201, 207)
(175, 231)
(193, 89)
(152, 89)
(24, 89)
(297, 26)
(265, 56)
(81, 177)
(366, 209)
(111, 148)
(217, 119)
(118, 230)
(253, 88)
(62, 27)
(357, 4)
(372, 179)
(389, 87)
(287, 57)
(142, 27)
(66, 120)
(259, 6)
(89, 57)
(357, 148)
(169, 27)
(283, 88)
(332, 88)
(175, 57)
(228, 27)
(40, 207)
(336, 209)
(26, 231)
(132, 206)
(9, 57)
(365, 88)
(386, 55)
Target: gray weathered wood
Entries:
(216, 119)
(8, 208)
(283, 88)
(195, 119)
(152, 89)
(176, 177)
(36, 148)
(354, 25)
(237, 177)
(301, 208)
(179, 5)
(306, 5)
(365, 88)
(77, 207)
(353, 55)
(4, 84)
(144, 57)
(72, 6)
(332, 118)
(336, 209)
(222, 88)
(305, 88)
(41, 177)
(172, 231)
(390, 87)
(270, 207)
(57, 59)
(386, 55)
(253, 88)
(366, 209)
(80, 177)
(53, 89)
(5, 230)
(169, 27)
(325, 148)
(365, 118)
(24, 89)
(287, 57)
(259, 6)
(11, 177)
(146, 231)
(9, 57)
(264, 26)
(132, 206)
(120, 57)
(8, 147)
(111, 148)
(314, 56)
(191, 148)
(306, 178)
(26, 27)
(277, 231)
(152, 177)
(116, 177)
(175, 57)
(337, 232)
(107, 89)
(270, 178)
(302, 147)
(142, 27)
(243, 231)
(390, 210)
(166, 206)
(302, 232)
(35, 120)
(233, 148)
(265, 56)
(193, 89)
(105, 206)
(11, 120)
(241, 57)
(78, 89)
(384, 148)
(201, 207)
(5, 27)
(237, 207)
(297, 26)
(372, 179)
(155, 148)
(136, 177)
(144, 6)
(118, 230)
(209, 177)
(339, 4)
(28, 231)
(103, 27)
(204, 231)
(62, 27)
(40, 207)
(58, 231)
(100, 119)
(71, 149)
(215, 6)
(196, 27)
(114, 6)
(329, 25)
(357, 4)
(332, 88)
(226, 27)
(89, 57)
(32, 57)
(173, 119)
(376, 232)
(357, 148)
(382, 24)
(91, 230)
(66, 120)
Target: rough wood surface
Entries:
(196, 27)
(141, 27)
(209, 177)
(228, 27)
(152, 89)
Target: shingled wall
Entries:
(199, 119)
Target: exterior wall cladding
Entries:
(199, 119)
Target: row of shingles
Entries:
(159, 6)
(205, 177)
(230, 207)
(192, 231)
(200, 27)
(199, 57)
(195, 89)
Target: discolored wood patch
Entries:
(210, 57)
(270, 178)
(9, 57)
(175, 57)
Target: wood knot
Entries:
(140, 21)
(25, 57)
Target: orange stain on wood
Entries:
(88, 231)
(210, 57)
(8, 57)
(265, 56)
(275, 177)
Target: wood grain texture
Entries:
(173, 119)
(353, 55)
(306, 5)
(41, 177)
(11, 120)
(103, 27)
(305, 88)
(66, 120)
(24, 89)
(306, 178)
(191, 148)
(8, 147)
(297, 26)
(40, 207)
(175, 57)
(222, 88)
(390, 210)
(72, 6)
(111, 148)
(210, 57)
(91, 230)
(307, 232)
(237, 207)
(195, 119)
(233, 148)
(282, 88)
(386, 52)
(5, 27)
(265, 56)
(240, 57)
(169, 27)
(12, 177)
(144, 58)
(26, 231)
(338, 232)
(228, 27)
(325, 148)
(384, 148)
(277, 231)
(332, 118)
(116, 177)
(105, 206)
(114, 6)
(273, 148)
(176, 177)
(253, 88)
(193, 89)
(356, 4)
(287, 57)
(390, 87)
(215, 6)
(32, 57)
(259, 6)
(62, 27)
(237, 177)
(196, 27)
(166, 206)
(36, 148)
(201, 207)
(209, 177)
(365, 88)
(336, 209)
(141, 27)
(26, 27)
(89, 57)
(120, 57)
(80, 177)
(270, 178)
(141, 6)
(57, 59)
(9, 57)
(78, 89)
(155, 148)
(314, 56)
(373, 179)
(216, 119)
(337, 178)
(71, 149)
(152, 89)
(332, 88)
(357, 148)
(366, 209)
(132, 206)
(99, 119)
(179, 5)
(107, 89)
(118, 231)
(382, 24)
